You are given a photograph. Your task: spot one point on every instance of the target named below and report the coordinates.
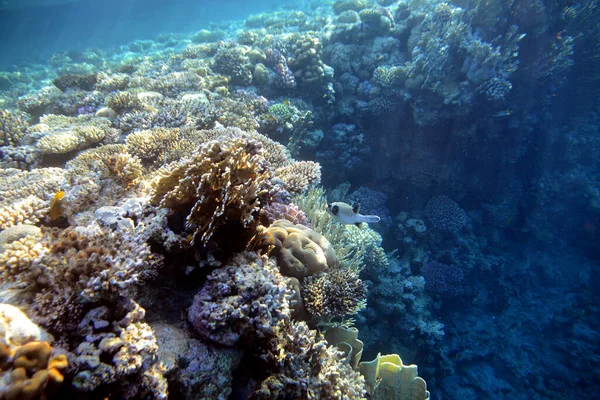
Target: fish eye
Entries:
(335, 209)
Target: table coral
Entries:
(61, 134)
(16, 184)
(29, 211)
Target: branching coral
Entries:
(16, 184)
(118, 351)
(303, 367)
(12, 128)
(221, 184)
(333, 294)
(299, 176)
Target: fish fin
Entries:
(357, 224)
(356, 208)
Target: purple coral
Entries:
(290, 212)
(443, 279)
(242, 300)
(445, 214)
(284, 75)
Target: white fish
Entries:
(348, 214)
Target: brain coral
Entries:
(243, 300)
(221, 184)
(300, 251)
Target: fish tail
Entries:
(370, 219)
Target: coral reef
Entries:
(222, 183)
(243, 300)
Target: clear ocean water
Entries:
(299, 199)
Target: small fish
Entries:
(57, 206)
(348, 214)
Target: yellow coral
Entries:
(300, 251)
(387, 378)
(27, 211)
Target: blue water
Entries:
(472, 129)
(34, 33)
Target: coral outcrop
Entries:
(223, 183)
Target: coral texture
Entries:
(243, 300)
(223, 183)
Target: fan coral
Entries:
(243, 300)
(334, 294)
(300, 251)
(221, 184)
(445, 214)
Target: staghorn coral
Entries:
(300, 251)
(299, 176)
(335, 293)
(242, 301)
(13, 127)
(222, 184)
